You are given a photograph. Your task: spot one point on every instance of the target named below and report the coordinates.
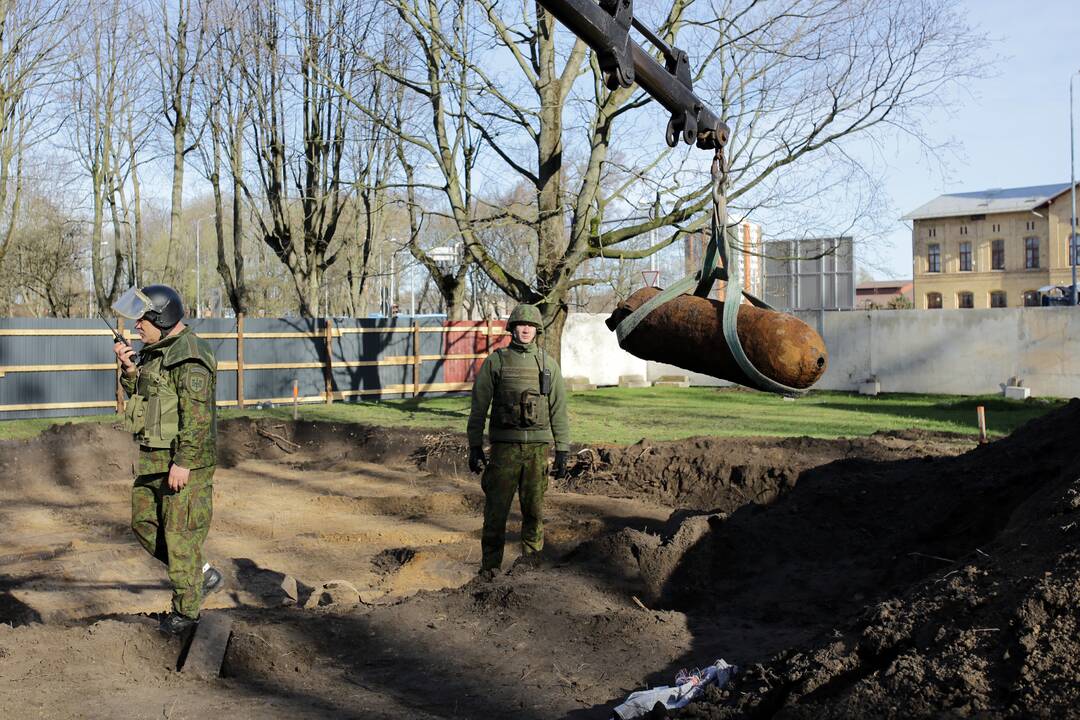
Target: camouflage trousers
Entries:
(172, 526)
(520, 468)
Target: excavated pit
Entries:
(847, 577)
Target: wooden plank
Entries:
(328, 368)
(240, 360)
(462, 356)
(120, 395)
(53, 332)
(446, 387)
(59, 406)
(416, 359)
(264, 335)
(58, 368)
(207, 649)
(320, 398)
(387, 330)
(233, 365)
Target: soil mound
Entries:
(723, 474)
(967, 571)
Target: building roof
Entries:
(985, 202)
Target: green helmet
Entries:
(526, 315)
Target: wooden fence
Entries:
(480, 338)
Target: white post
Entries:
(393, 280)
(198, 268)
(198, 272)
(1072, 190)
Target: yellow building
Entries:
(992, 248)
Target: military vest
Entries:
(153, 411)
(517, 403)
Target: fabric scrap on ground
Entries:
(688, 685)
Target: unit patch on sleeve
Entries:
(198, 382)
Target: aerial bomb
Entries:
(688, 332)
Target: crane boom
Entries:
(605, 27)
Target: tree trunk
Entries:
(238, 298)
(554, 317)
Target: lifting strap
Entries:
(702, 282)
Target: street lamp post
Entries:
(1072, 191)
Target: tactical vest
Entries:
(517, 403)
(153, 411)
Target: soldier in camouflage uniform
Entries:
(523, 386)
(171, 412)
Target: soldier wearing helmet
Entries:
(171, 412)
(523, 387)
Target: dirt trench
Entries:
(801, 560)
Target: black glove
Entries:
(477, 459)
(559, 469)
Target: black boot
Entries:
(176, 624)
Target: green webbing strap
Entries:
(631, 321)
(702, 282)
(731, 319)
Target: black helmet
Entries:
(166, 308)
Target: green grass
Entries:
(614, 415)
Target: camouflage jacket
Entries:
(187, 364)
(508, 382)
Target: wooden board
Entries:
(207, 649)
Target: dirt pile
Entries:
(876, 577)
(953, 584)
(723, 474)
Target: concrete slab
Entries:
(1015, 392)
(870, 388)
(578, 383)
(672, 381)
(207, 649)
(633, 381)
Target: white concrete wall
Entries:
(589, 349)
(960, 352)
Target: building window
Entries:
(997, 299)
(933, 258)
(963, 230)
(996, 227)
(1031, 298)
(933, 301)
(932, 232)
(1029, 225)
(1031, 253)
(965, 255)
(997, 255)
(965, 300)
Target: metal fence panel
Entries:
(370, 359)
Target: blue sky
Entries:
(1013, 127)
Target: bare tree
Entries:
(182, 42)
(227, 110)
(97, 82)
(30, 35)
(47, 256)
(373, 166)
(475, 111)
(798, 81)
(300, 61)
